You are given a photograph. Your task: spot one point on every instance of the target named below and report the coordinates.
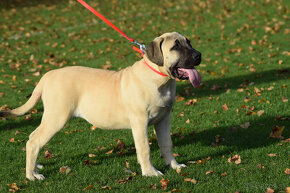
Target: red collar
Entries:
(156, 71)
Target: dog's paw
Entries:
(39, 166)
(177, 166)
(34, 176)
(152, 172)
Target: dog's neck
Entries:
(150, 73)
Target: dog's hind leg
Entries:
(51, 123)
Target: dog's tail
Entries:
(34, 98)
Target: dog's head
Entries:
(175, 55)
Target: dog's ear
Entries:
(154, 51)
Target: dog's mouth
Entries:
(187, 74)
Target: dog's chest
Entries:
(162, 103)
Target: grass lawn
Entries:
(243, 97)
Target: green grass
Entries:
(245, 44)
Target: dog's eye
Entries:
(188, 42)
(177, 46)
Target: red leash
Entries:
(142, 48)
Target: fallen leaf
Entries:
(272, 154)
(225, 107)
(257, 90)
(176, 190)
(187, 121)
(215, 87)
(269, 190)
(287, 190)
(164, 183)
(236, 159)
(240, 90)
(106, 187)
(88, 187)
(202, 161)
(91, 162)
(48, 155)
(284, 100)
(233, 129)
(251, 113)
(120, 144)
(11, 140)
(36, 74)
(65, 169)
(191, 102)
(277, 132)
(176, 155)
(125, 180)
(260, 113)
(210, 172)
(13, 187)
(179, 98)
(224, 174)
(92, 155)
(153, 186)
(270, 88)
(287, 171)
(194, 181)
(109, 152)
(286, 140)
(246, 125)
(260, 166)
(127, 164)
(130, 171)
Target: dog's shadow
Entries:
(219, 85)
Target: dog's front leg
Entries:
(140, 135)
(162, 130)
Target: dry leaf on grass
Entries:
(287, 171)
(106, 187)
(153, 186)
(92, 155)
(109, 152)
(179, 98)
(277, 132)
(260, 113)
(194, 181)
(127, 164)
(176, 190)
(65, 169)
(272, 154)
(13, 187)
(246, 125)
(210, 172)
(123, 181)
(88, 187)
(225, 107)
(48, 154)
(120, 144)
(164, 183)
(224, 174)
(235, 159)
(269, 190)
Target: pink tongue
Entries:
(194, 77)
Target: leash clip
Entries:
(141, 46)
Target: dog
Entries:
(135, 97)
